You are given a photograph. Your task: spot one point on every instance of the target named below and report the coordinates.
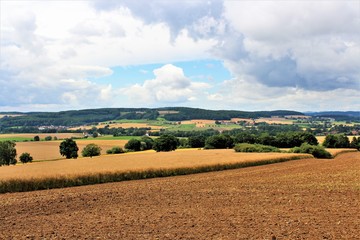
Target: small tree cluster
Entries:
(355, 143)
(219, 142)
(336, 141)
(165, 143)
(134, 144)
(247, 147)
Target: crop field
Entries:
(303, 199)
(136, 162)
(30, 136)
(48, 150)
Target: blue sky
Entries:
(213, 54)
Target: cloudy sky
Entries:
(216, 54)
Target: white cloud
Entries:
(294, 54)
(170, 86)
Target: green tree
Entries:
(7, 153)
(165, 143)
(336, 141)
(196, 141)
(25, 157)
(36, 138)
(355, 143)
(219, 142)
(146, 143)
(69, 148)
(133, 145)
(91, 150)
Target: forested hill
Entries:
(81, 117)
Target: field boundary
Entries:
(24, 185)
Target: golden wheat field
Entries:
(135, 162)
(120, 125)
(42, 135)
(47, 150)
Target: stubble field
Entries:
(303, 199)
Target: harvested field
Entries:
(135, 162)
(304, 199)
(274, 120)
(47, 150)
(199, 122)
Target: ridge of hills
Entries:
(89, 116)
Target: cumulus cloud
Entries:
(200, 18)
(297, 44)
(170, 86)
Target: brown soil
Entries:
(303, 199)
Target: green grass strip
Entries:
(24, 185)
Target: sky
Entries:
(213, 54)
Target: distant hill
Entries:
(89, 116)
(337, 115)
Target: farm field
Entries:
(30, 136)
(135, 162)
(303, 199)
(48, 150)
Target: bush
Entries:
(165, 143)
(91, 150)
(246, 147)
(7, 153)
(133, 145)
(48, 138)
(115, 150)
(36, 138)
(26, 157)
(316, 151)
(219, 142)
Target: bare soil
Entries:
(303, 199)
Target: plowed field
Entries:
(303, 199)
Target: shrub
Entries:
(7, 153)
(26, 157)
(115, 150)
(165, 143)
(316, 151)
(36, 138)
(91, 150)
(48, 138)
(246, 147)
